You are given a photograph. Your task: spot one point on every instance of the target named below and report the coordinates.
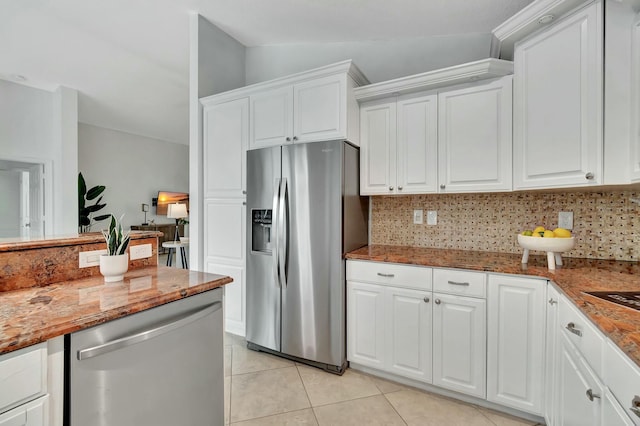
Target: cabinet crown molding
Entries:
(526, 22)
(457, 74)
(344, 67)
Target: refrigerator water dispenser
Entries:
(261, 230)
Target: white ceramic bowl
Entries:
(555, 245)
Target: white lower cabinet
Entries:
(459, 344)
(365, 324)
(34, 413)
(551, 349)
(516, 337)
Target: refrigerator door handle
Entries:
(275, 253)
(283, 231)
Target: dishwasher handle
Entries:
(142, 336)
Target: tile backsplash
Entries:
(606, 225)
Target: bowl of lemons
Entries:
(553, 242)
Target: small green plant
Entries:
(117, 240)
(86, 211)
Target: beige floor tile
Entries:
(371, 411)
(424, 409)
(387, 386)
(326, 388)
(502, 419)
(234, 339)
(266, 393)
(245, 360)
(227, 399)
(302, 417)
(227, 360)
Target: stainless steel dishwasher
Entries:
(160, 367)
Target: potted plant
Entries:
(86, 211)
(115, 263)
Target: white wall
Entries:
(216, 64)
(9, 203)
(378, 60)
(37, 126)
(133, 168)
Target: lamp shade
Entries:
(177, 211)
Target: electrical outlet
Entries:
(90, 258)
(565, 220)
(140, 251)
(432, 217)
(417, 217)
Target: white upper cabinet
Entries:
(558, 104)
(225, 135)
(474, 137)
(311, 106)
(271, 117)
(399, 145)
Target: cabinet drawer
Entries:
(417, 277)
(23, 376)
(582, 333)
(466, 283)
(622, 376)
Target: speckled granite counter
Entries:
(33, 315)
(576, 276)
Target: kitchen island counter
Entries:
(33, 315)
(574, 278)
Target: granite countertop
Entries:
(17, 244)
(576, 276)
(34, 315)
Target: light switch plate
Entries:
(140, 251)
(417, 217)
(90, 258)
(432, 217)
(565, 220)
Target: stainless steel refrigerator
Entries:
(304, 212)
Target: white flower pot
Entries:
(113, 268)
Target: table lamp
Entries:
(177, 211)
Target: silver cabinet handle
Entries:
(288, 139)
(458, 283)
(437, 301)
(133, 339)
(442, 186)
(244, 192)
(572, 328)
(244, 203)
(295, 138)
(552, 302)
(426, 299)
(592, 395)
(589, 176)
(635, 405)
(386, 275)
(399, 188)
(391, 188)
(635, 410)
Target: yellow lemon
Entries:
(536, 234)
(538, 229)
(527, 233)
(562, 233)
(549, 234)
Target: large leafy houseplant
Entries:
(86, 210)
(117, 240)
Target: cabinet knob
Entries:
(635, 405)
(589, 176)
(437, 301)
(391, 188)
(295, 138)
(552, 302)
(442, 186)
(592, 395)
(244, 192)
(399, 188)
(288, 139)
(572, 328)
(426, 299)
(244, 203)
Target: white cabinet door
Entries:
(226, 136)
(409, 328)
(417, 143)
(551, 350)
(319, 109)
(271, 115)
(574, 380)
(34, 413)
(459, 344)
(612, 412)
(515, 352)
(224, 231)
(558, 104)
(635, 95)
(234, 297)
(365, 324)
(474, 137)
(378, 148)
